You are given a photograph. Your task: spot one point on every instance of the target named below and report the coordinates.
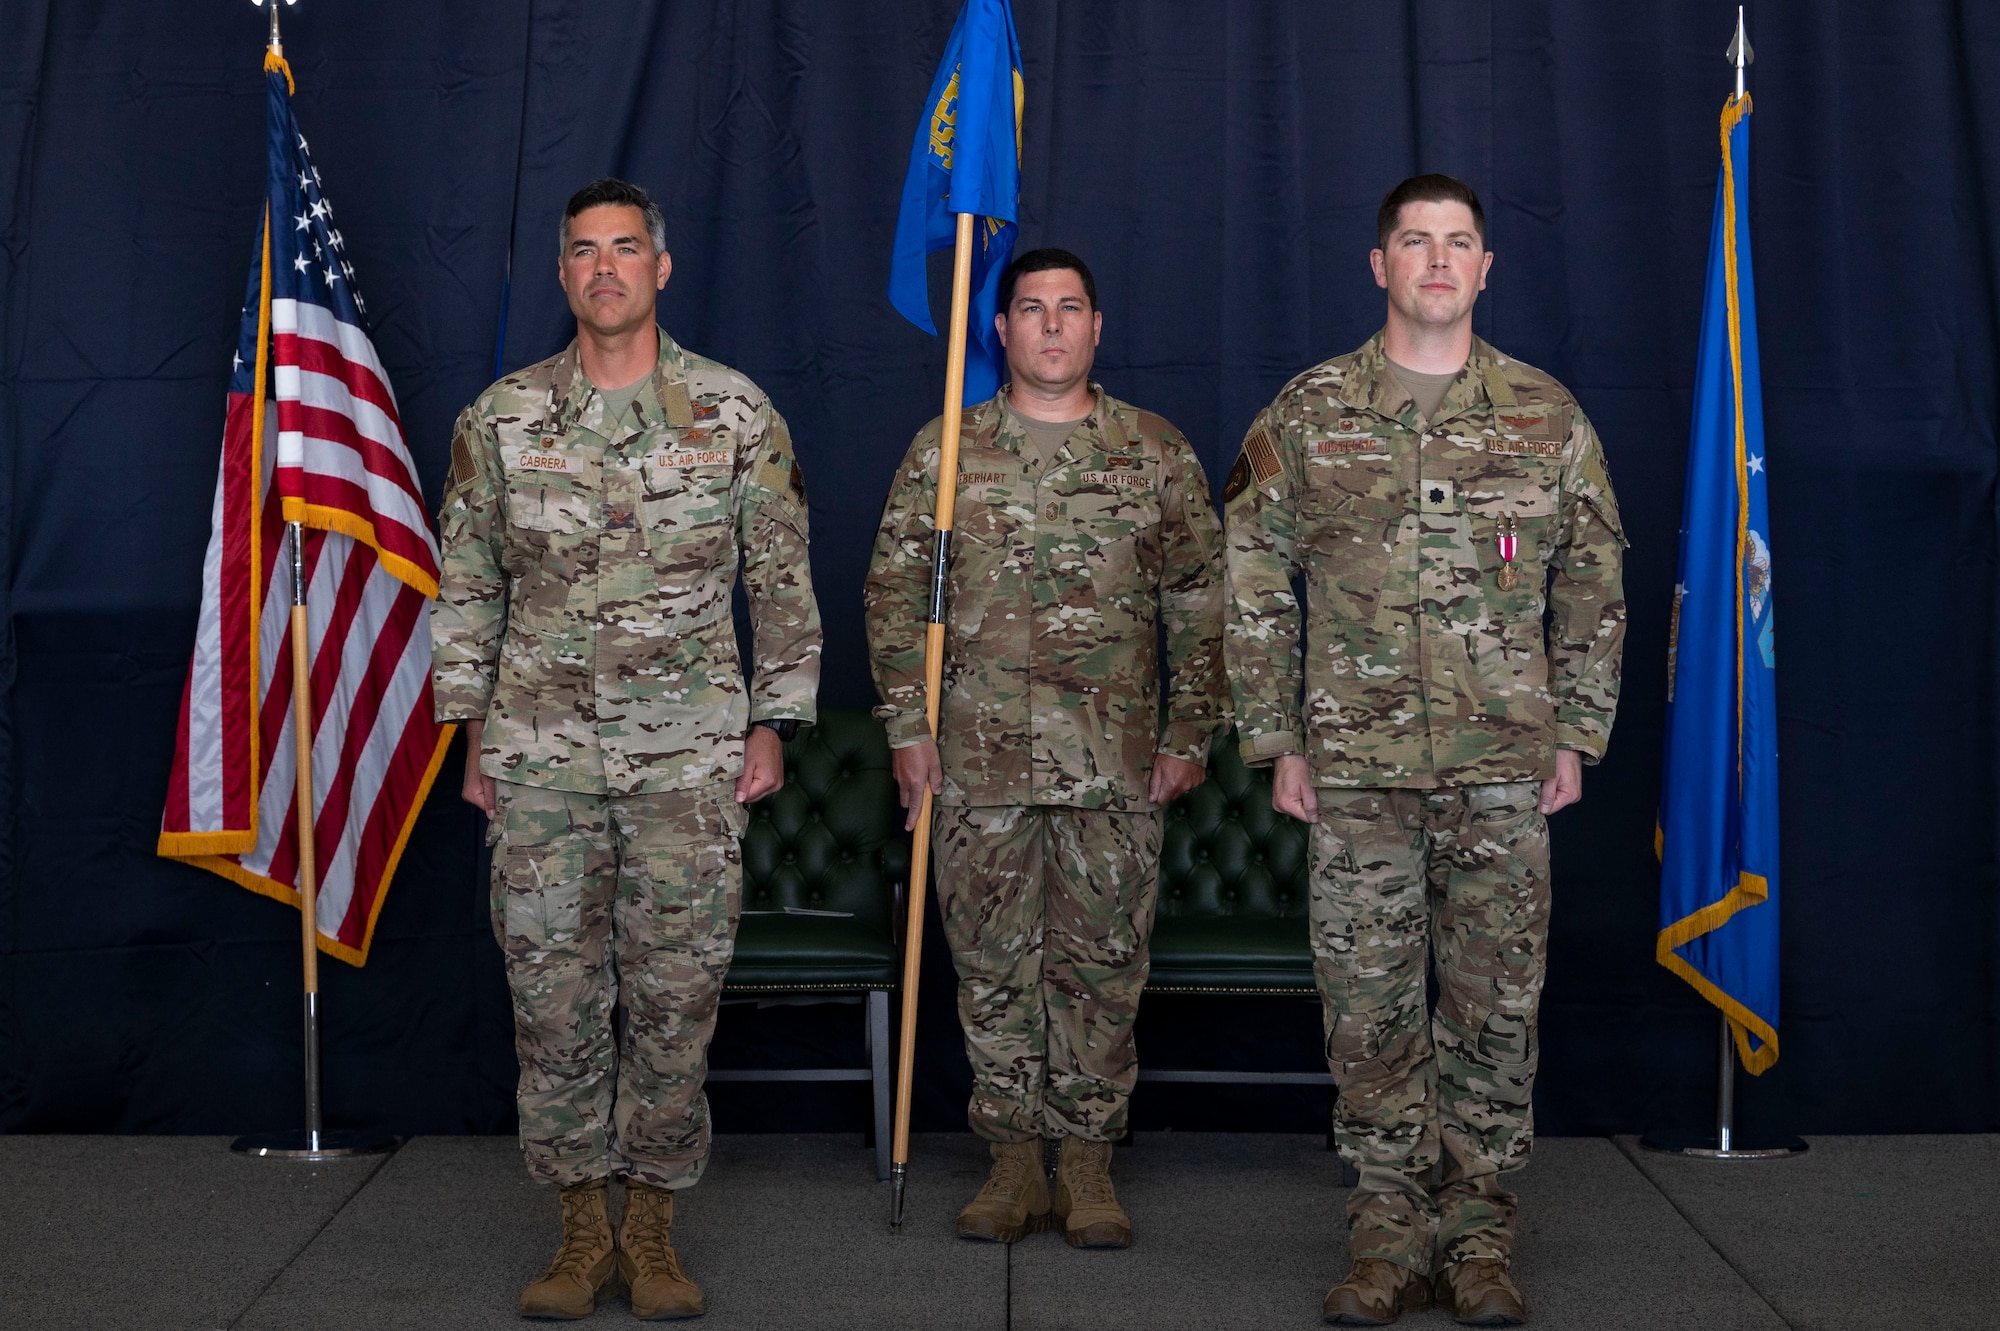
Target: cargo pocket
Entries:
(1507, 1042)
(1353, 1037)
(1331, 908)
(686, 887)
(496, 898)
(539, 915)
(1333, 850)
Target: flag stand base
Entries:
(1725, 1143)
(298, 1144)
(1707, 1146)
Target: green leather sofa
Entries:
(825, 864)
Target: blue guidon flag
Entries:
(966, 159)
(311, 434)
(1718, 829)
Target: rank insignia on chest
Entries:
(1436, 496)
(1509, 542)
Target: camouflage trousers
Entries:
(1048, 911)
(604, 902)
(1456, 882)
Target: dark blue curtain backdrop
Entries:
(1220, 167)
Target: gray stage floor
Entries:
(176, 1234)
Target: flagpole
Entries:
(302, 731)
(920, 849)
(1725, 1145)
(314, 1142)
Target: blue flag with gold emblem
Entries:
(1718, 829)
(966, 159)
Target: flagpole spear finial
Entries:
(277, 47)
(1739, 53)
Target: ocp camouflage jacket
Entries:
(584, 608)
(1059, 582)
(1422, 666)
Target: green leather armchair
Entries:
(825, 864)
(1232, 915)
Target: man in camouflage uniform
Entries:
(598, 507)
(1083, 525)
(1438, 497)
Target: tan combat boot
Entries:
(1479, 1292)
(584, 1263)
(1376, 1293)
(1015, 1201)
(1085, 1199)
(661, 1291)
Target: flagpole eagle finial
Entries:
(1739, 53)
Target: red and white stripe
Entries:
(340, 440)
(375, 747)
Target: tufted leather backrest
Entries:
(832, 838)
(1227, 853)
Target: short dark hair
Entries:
(1426, 189)
(1045, 261)
(621, 193)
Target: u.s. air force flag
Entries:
(1718, 831)
(966, 159)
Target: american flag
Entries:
(317, 440)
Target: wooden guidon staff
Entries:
(920, 849)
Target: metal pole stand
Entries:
(1726, 1143)
(312, 1142)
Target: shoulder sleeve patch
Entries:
(1263, 457)
(780, 472)
(1239, 479)
(463, 472)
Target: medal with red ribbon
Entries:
(1510, 545)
